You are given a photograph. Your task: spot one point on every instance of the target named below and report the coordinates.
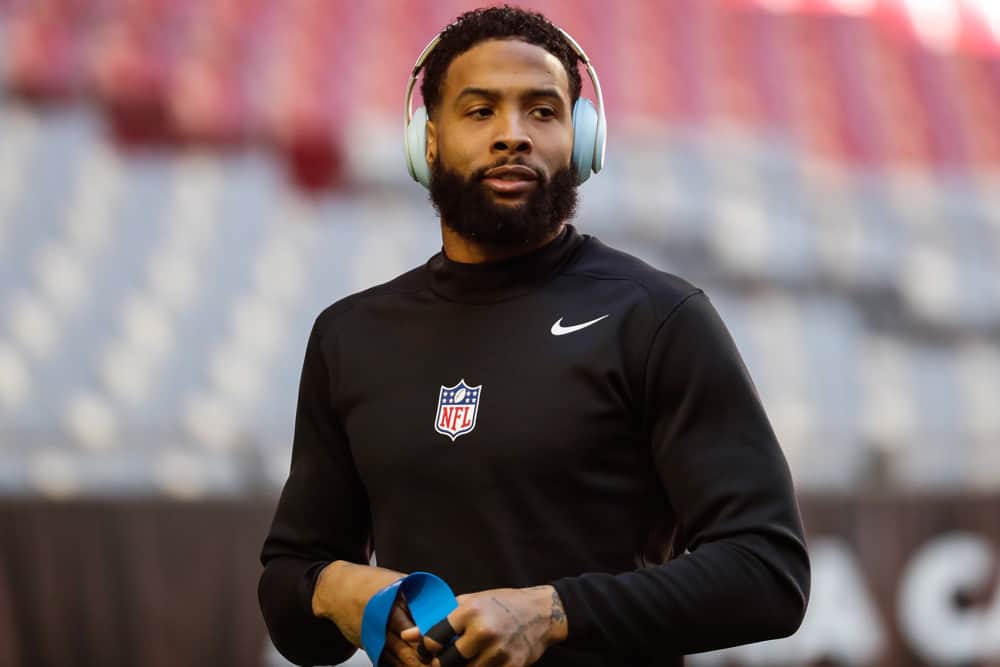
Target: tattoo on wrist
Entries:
(558, 613)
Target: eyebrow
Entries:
(551, 93)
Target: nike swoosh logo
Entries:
(559, 330)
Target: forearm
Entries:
(342, 591)
(723, 594)
(285, 591)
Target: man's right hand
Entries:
(343, 590)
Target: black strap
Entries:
(450, 657)
(442, 632)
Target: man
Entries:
(564, 434)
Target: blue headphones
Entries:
(589, 124)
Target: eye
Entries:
(481, 112)
(544, 112)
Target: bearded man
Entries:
(566, 435)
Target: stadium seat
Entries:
(158, 298)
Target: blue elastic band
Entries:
(429, 598)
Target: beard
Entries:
(465, 207)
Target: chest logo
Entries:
(559, 330)
(457, 409)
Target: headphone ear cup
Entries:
(585, 128)
(416, 148)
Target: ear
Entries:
(431, 149)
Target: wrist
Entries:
(557, 630)
(342, 592)
(321, 603)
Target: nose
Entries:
(512, 138)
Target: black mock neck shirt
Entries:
(571, 416)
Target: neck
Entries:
(461, 249)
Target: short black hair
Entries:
(504, 22)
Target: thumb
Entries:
(410, 634)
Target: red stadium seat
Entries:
(42, 54)
(859, 90)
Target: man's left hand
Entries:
(500, 627)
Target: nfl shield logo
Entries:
(457, 409)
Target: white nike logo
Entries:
(559, 330)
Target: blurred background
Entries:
(186, 184)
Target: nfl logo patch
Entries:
(457, 409)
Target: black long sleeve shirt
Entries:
(629, 462)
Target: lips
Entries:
(510, 179)
(513, 172)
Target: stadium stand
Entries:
(831, 183)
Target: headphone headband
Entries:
(416, 71)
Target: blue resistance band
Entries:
(430, 601)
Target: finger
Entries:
(401, 652)
(394, 637)
(440, 635)
(452, 657)
(470, 644)
(425, 655)
(399, 618)
(402, 603)
(410, 634)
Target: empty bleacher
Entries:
(832, 186)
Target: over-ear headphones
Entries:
(589, 124)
